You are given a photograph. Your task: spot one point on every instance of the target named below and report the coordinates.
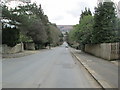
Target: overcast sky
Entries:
(65, 12)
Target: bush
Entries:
(39, 46)
(10, 36)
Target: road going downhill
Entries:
(55, 68)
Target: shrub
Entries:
(10, 36)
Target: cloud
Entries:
(58, 17)
(77, 10)
(65, 11)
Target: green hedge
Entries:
(10, 36)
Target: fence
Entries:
(109, 51)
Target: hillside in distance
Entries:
(65, 28)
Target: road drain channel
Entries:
(75, 58)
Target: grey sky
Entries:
(65, 12)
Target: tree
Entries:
(33, 24)
(85, 13)
(82, 32)
(104, 22)
(85, 30)
(117, 30)
(10, 36)
(55, 35)
(31, 21)
(71, 38)
(10, 32)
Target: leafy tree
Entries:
(85, 30)
(71, 39)
(24, 38)
(55, 35)
(104, 22)
(10, 32)
(117, 30)
(85, 13)
(33, 24)
(31, 20)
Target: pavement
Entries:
(0, 72)
(20, 54)
(105, 72)
(116, 62)
(55, 68)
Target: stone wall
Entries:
(0, 49)
(29, 46)
(107, 51)
(10, 50)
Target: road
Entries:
(55, 68)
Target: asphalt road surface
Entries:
(55, 68)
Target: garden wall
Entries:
(29, 46)
(10, 50)
(109, 51)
